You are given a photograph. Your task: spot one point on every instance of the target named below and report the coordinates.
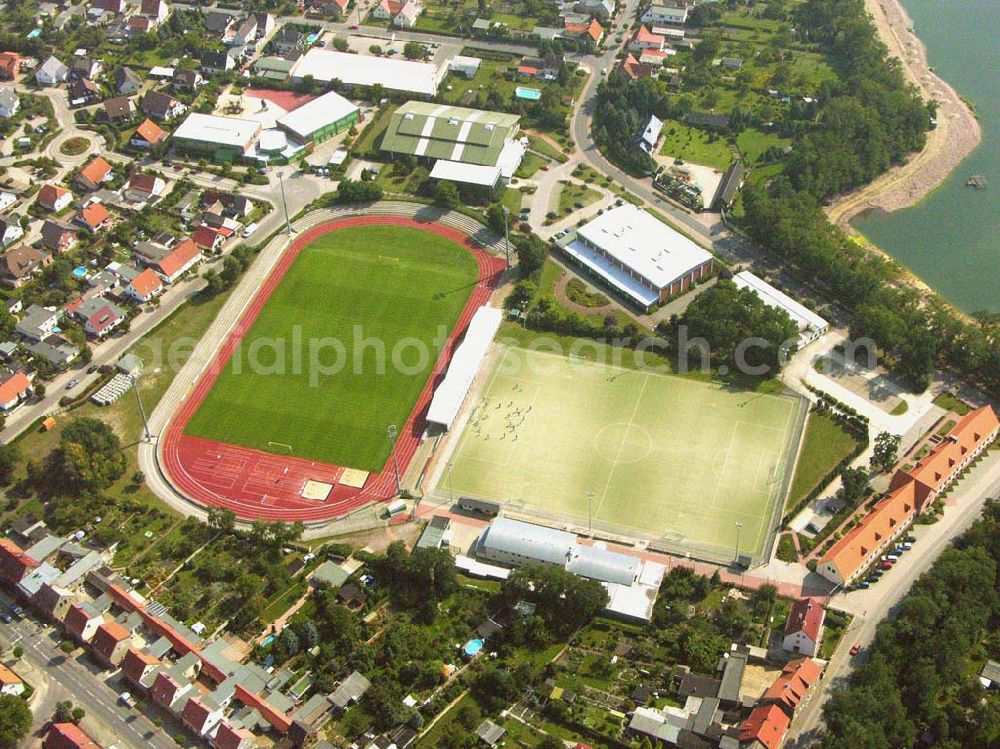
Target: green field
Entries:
(695, 146)
(676, 460)
(358, 286)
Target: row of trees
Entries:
(920, 677)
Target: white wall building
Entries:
(811, 326)
(362, 70)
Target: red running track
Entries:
(256, 484)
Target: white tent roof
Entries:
(363, 70)
(223, 131)
(470, 174)
(329, 108)
(450, 394)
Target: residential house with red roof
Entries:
(233, 737)
(909, 493)
(94, 217)
(936, 471)
(792, 687)
(110, 643)
(167, 692)
(10, 65)
(14, 563)
(54, 198)
(147, 135)
(19, 264)
(10, 683)
(635, 69)
(208, 237)
(184, 257)
(142, 188)
(68, 736)
(145, 286)
(592, 31)
(81, 623)
(764, 728)
(804, 627)
(53, 601)
(100, 316)
(94, 174)
(14, 390)
(646, 39)
(138, 667)
(201, 716)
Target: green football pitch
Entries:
(371, 288)
(675, 460)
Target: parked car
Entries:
(5, 617)
(72, 384)
(864, 585)
(886, 565)
(250, 229)
(126, 698)
(17, 611)
(91, 369)
(892, 558)
(910, 539)
(855, 649)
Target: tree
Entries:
(10, 455)
(15, 720)
(352, 191)
(414, 51)
(496, 219)
(853, 485)
(89, 458)
(531, 252)
(221, 519)
(885, 452)
(564, 601)
(446, 194)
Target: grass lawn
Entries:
(671, 458)
(573, 197)
(950, 402)
(754, 143)
(545, 148)
(695, 146)
(529, 165)
(825, 444)
(371, 136)
(382, 292)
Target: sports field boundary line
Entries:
(628, 426)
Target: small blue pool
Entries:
(268, 640)
(531, 94)
(79, 271)
(34, 33)
(472, 647)
(312, 38)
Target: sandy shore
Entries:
(955, 136)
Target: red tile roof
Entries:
(150, 132)
(103, 319)
(195, 714)
(107, 637)
(142, 182)
(206, 236)
(766, 724)
(806, 616)
(14, 388)
(853, 550)
(146, 283)
(184, 253)
(95, 172)
(10, 65)
(68, 736)
(230, 737)
(278, 720)
(14, 563)
(645, 35)
(794, 683)
(164, 689)
(50, 194)
(76, 620)
(136, 662)
(94, 214)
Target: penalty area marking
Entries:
(280, 444)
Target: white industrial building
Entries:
(465, 361)
(362, 70)
(637, 255)
(811, 326)
(212, 133)
(632, 583)
(320, 118)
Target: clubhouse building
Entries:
(637, 256)
(811, 326)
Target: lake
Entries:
(952, 238)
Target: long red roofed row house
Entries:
(909, 493)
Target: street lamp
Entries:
(142, 411)
(506, 235)
(393, 433)
(739, 527)
(590, 512)
(451, 490)
(284, 203)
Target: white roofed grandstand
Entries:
(362, 70)
(811, 326)
(451, 392)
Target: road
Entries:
(870, 607)
(73, 677)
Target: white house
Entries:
(51, 72)
(10, 683)
(665, 11)
(7, 199)
(804, 627)
(10, 230)
(145, 286)
(9, 103)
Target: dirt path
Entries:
(956, 135)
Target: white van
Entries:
(250, 229)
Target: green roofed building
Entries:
(460, 140)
